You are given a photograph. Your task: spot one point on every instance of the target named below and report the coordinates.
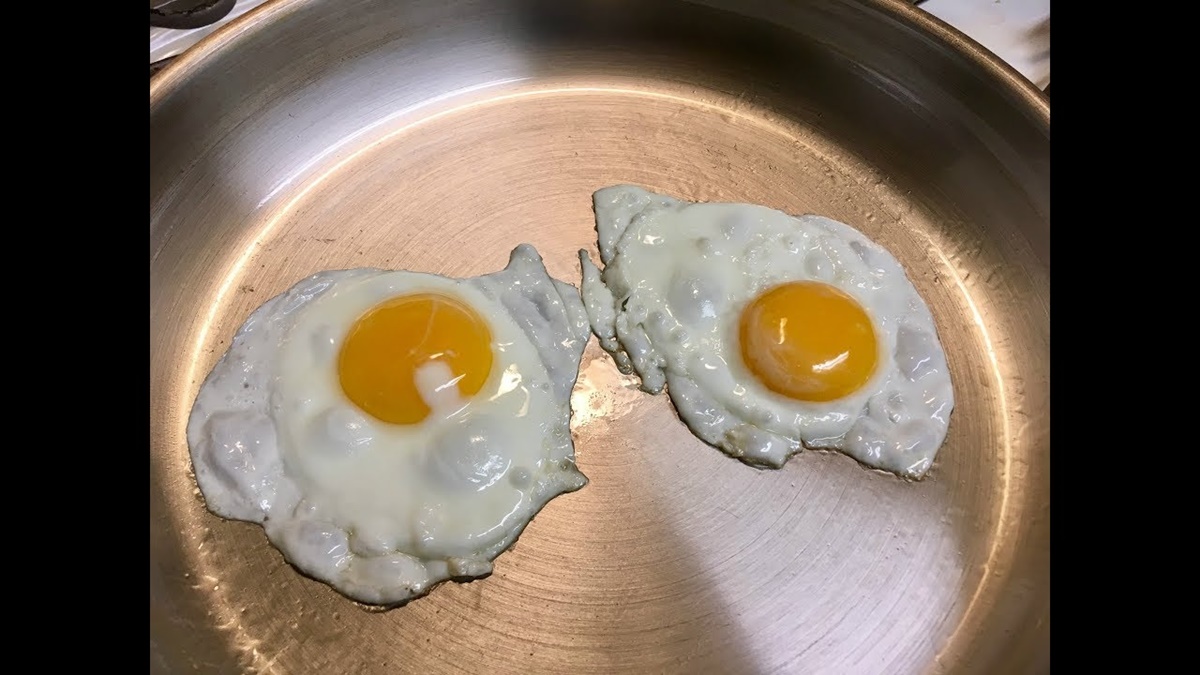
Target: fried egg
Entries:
(771, 333)
(391, 430)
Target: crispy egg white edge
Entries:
(250, 482)
(618, 207)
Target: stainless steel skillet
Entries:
(437, 135)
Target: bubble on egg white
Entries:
(395, 570)
(755, 255)
(240, 463)
(896, 408)
(469, 454)
(696, 297)
(793, 242)
(737, 228)
(341, 431)
(914, 352)
(819, 266)
(320, 549)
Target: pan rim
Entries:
(177, 73)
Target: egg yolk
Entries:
(384, 349)
(808, 341)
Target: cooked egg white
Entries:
(771, 333)
(391, 430)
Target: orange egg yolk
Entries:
(808, 341)
(387, 345)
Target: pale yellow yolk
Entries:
(808, 341)
(387, 345)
